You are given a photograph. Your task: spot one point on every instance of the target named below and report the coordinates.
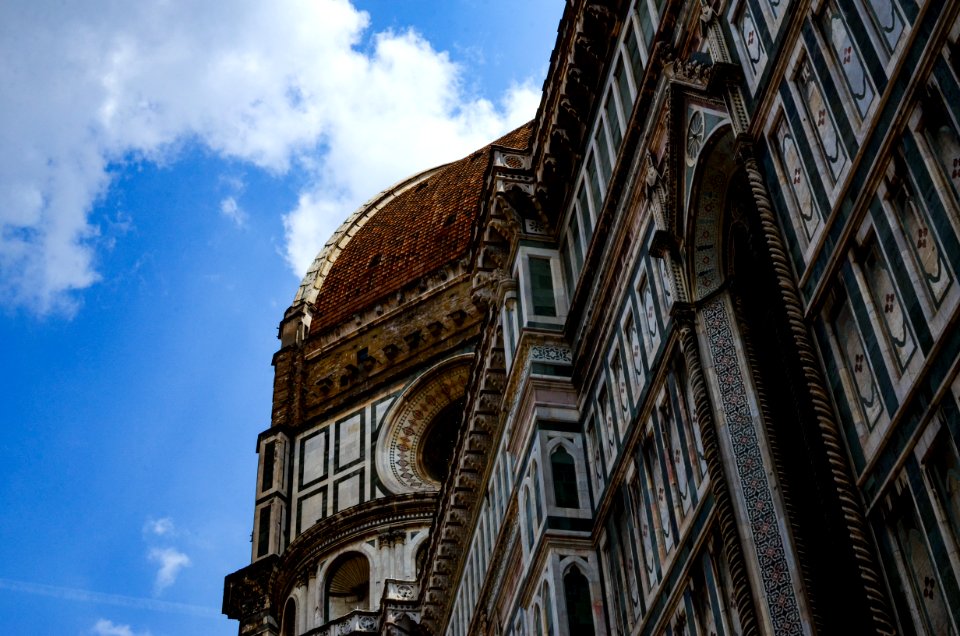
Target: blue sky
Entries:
(169, 169)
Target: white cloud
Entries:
(231, 210)
(171, 561)
(277, 85)
(159, 527)
(104, 627)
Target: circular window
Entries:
(439, 438)
(418, 435)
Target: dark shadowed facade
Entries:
(680, 356)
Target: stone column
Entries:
(847, 495)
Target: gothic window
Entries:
(921, 238)
(821, 118)
(421, 558)
(538, 621)
(943, 467)
(940, 131)
(920, 578)
(564, 478)
(576, 592)
(593, 443)
(889, 306)
(803, 211)
(887, 20)
(348, 585)
(847, 56)
(518, 625)
(867, 397)
(547, 609)
(528, 507)
(536, 492)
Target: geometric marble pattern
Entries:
(780, 596)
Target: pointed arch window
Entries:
(564, 478)
(576, 592)
(529, 518)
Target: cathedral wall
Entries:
(333, 464)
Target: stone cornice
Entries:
(587, 35)
(371, 517)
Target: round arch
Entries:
(346, 586)
(716, 168)
(421, 426)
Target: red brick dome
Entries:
(409, 230)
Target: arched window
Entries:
(576, 592)
(538, 621)
(288, 626)
(529, 509)
(547, 608)
(564, 478)
(421, 559)
(536, 492)
(348, 585)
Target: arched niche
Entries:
(347, 585)
(288, 625)
(716, 169)
(418, 434)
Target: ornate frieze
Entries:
(775, 572)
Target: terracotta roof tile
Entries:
(421, 230)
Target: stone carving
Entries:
(774, 571)
(399, 446)
(551, 353)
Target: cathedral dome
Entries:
(403, 233)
